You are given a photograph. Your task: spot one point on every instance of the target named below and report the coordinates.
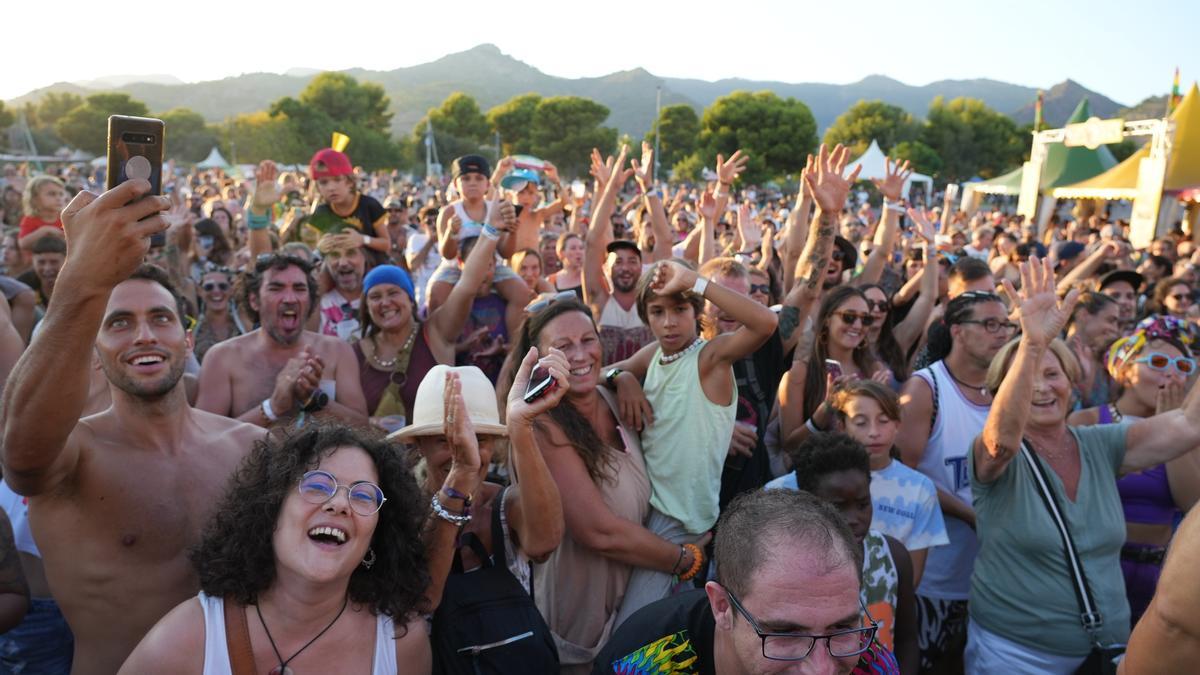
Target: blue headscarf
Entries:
(388, 274)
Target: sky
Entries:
(1127, 51)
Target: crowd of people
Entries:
(605, 426)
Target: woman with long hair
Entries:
(570, 254)
(218, 320)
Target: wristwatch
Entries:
(611, 376)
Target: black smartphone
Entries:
(517, 208)
(540, 384)
(135, 150)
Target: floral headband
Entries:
(1153, 327)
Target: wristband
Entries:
(697, 562)
(257, 222)
(700, 286)
(611, 376)
(811, 426)
(267, 411)
(366, 240)
(892, 206)
(490, 232)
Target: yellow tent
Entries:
(1183, 166)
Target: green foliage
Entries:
(972, 139)
(678, 127)
(253, 137)
(189, 138)
(777, 134)
(566, 128)
(688, 169)
(52, 107)
(872, 120)
(86, 126)
(924, 159)
(6, 117)
(513, 120)
(344, 99)
(459, 128)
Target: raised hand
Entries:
(925, 227)
(751, 236)
(670, 278)
(503, 215)
(107, 237)
(457, 427)
(551, 172)
(504, 166)
(829, 188)
(708, 206)
(728, 169)
(643, 171)
(892, 183)
(266, 191)
(556, 364)
(1042, 314)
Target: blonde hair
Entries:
(32, 188)
(1003, 361)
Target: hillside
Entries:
(493, 77)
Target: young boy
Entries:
(343, 209)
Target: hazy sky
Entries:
(1124, 50)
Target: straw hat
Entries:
(429, 406)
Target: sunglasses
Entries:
(838, 255)
(215, 286)
(881, 306)
(1160, 362)
(318, 487)
(850, 318)
(545, 300)
(765, 289)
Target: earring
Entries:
(370, 559)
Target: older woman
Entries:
(1025, 615)
(301, 575)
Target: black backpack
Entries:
(486, 622)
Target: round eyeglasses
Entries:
(319, 487)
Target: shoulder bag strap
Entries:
(1090, 615)
(237, 639)
(499, 543)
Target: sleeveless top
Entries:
(622, 332)
(216, 651)
(17, 508)
(880, 586)
(687, 444)
(1145, 495)
(375, 382)
(470, 227)
(579, 591)
(956, 424)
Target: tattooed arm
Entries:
(14, 592)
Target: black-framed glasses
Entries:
(850, 318)
(797, 646)
(318, 487)
(993, 325)
(880, 306)
(546, 299)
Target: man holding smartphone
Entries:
(116, 499)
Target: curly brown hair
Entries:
(236, 557)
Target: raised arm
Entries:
(1088, 267)
(107, 240)
(891, 186)
(707, 208)
(797, 231)
(258, 209)
(1043, 316)
(908, 331)
(643, 172)
(829, 188)
(609, 177)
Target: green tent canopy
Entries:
(1063, 166)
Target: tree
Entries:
(677, 126)
(54, 106)
(311, 128)
(923, 158)
(189, 137)
(6, 117)
(777, 134)
(872, 120)
(513, 120)
(566, 128)
(972, 139)
(459, 128)
(253, 137)
(86, 126)
(346, 101)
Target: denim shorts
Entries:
(41, 644)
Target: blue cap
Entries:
(1066, 250)
(518, 178)
(388, 274)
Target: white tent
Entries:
(874, 165)
(213, 161)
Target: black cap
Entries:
(618, 244)
(470, 164)
(849, 253)
(1133, 278)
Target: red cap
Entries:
(336, 164)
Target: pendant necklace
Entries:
(282, 668)
(983, 392)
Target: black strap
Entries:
(1090, 615)
(499, 549)
(497, 556)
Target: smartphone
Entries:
(517, 209)
(833, 368)
(540, 384)
(135, 150)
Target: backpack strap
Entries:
(497, 556)
(499, 542)
(1090, 615)
(237, 639)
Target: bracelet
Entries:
(257, 222)
(455, 494)
(675, 569)
(453, 518)
(893, 206)
(267, 411)
(700, 286)
(366, 240)
(490, 232)
(811, 426)
(611, 376)
(697, 562)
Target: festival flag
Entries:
(1037, 111)
(340, 141)
(1176, 97)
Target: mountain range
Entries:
(492, 77)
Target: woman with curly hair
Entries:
(306, 577)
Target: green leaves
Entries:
(85, 126)
(678, 127)
(777, 134)
(865, 121)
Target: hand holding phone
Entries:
(833, 368)
(135, 151)
(541, 382)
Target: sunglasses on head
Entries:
(545, 300)
(211, 286)
(1160, 362)
(849, 318)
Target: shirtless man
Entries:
(116, 499)
(275, 372)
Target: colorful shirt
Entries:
(339, 317)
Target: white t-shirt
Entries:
(422, 274)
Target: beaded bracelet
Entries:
(697, 562)
(257, 222)
(453, 518)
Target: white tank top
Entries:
(617, 316)
(216, 651)
(948, 568)
(470, 226)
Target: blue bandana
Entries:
(388, 274)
